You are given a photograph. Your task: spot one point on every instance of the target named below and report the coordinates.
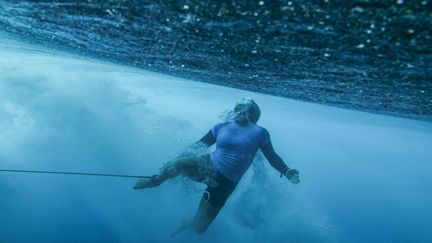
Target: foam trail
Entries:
(365, 177)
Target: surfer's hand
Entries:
(292, 175)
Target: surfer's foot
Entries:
(147, 182)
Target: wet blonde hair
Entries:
(245, 111)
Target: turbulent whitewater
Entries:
(365, 177)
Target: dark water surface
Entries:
(364, 54)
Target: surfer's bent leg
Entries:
(214, 198)
(187, 166)
(204, 216)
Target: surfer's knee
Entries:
(205, 216)
(200, 229)
(187, 166)
(184, 163)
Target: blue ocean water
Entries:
(364, 177)
(67, 105)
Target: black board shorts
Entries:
(217, 193)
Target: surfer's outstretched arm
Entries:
(276, 162)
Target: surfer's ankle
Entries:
(149, 182)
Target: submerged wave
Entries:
(368, 55)
(363, 176)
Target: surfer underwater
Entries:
(237, 141)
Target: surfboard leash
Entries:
(72, 173)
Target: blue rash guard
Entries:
(236, 146)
